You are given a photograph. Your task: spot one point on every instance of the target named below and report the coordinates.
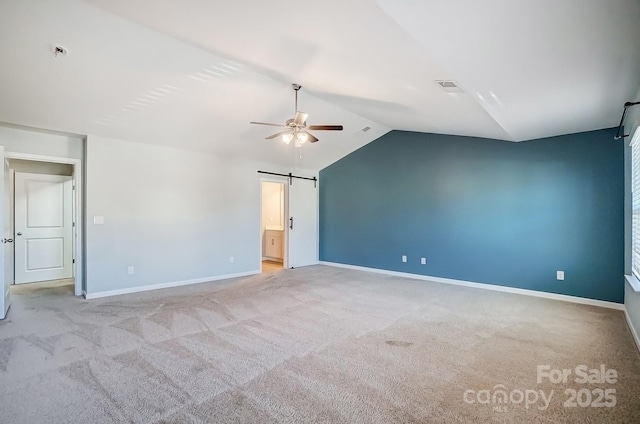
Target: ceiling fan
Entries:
(297, 128)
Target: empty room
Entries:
(355, 211)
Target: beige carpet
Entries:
(315, 344)
(34, 288)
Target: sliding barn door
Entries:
(303, 223)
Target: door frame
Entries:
(78, 234)
(67, 229)
(285, 243)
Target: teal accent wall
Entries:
(482, 210)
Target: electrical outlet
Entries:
(232, 259)
(404, 258)
(560, 275)
(423, 261)
(130, 270)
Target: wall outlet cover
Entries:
(560, 275)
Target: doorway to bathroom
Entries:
(273, 234)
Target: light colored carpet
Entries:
(34, 288)
(314, 344)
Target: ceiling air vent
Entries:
(449, 86)
(58, 50)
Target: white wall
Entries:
(173, 214)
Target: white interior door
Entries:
(303, 224)
(43, 227)
(5, 299)
(7, 241)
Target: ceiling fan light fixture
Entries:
(296, 127)
(302, 137)
(286, 138)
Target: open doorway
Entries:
(43, 207)
(272, 230)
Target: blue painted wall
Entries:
(482, 210)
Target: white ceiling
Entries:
(193, 73)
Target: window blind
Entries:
(635, 196)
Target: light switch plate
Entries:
(98, 220)
(404, 258)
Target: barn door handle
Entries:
(291, 223)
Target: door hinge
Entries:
(73, 224)
(73, 261)
(73, 186)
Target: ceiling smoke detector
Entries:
(449, 86)
(58, 50)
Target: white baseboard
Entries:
(526, 292)
(166, 285)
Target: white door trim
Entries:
(5, 297)
(285, 243)
(78, 235)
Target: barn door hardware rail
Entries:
(627, 105)
(291, 177)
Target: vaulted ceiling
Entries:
(193, 73)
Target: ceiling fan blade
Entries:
(276, 135)
(300, 118)
(312, 138)
(266, 123)
(326, 127)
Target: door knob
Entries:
(19, 234)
